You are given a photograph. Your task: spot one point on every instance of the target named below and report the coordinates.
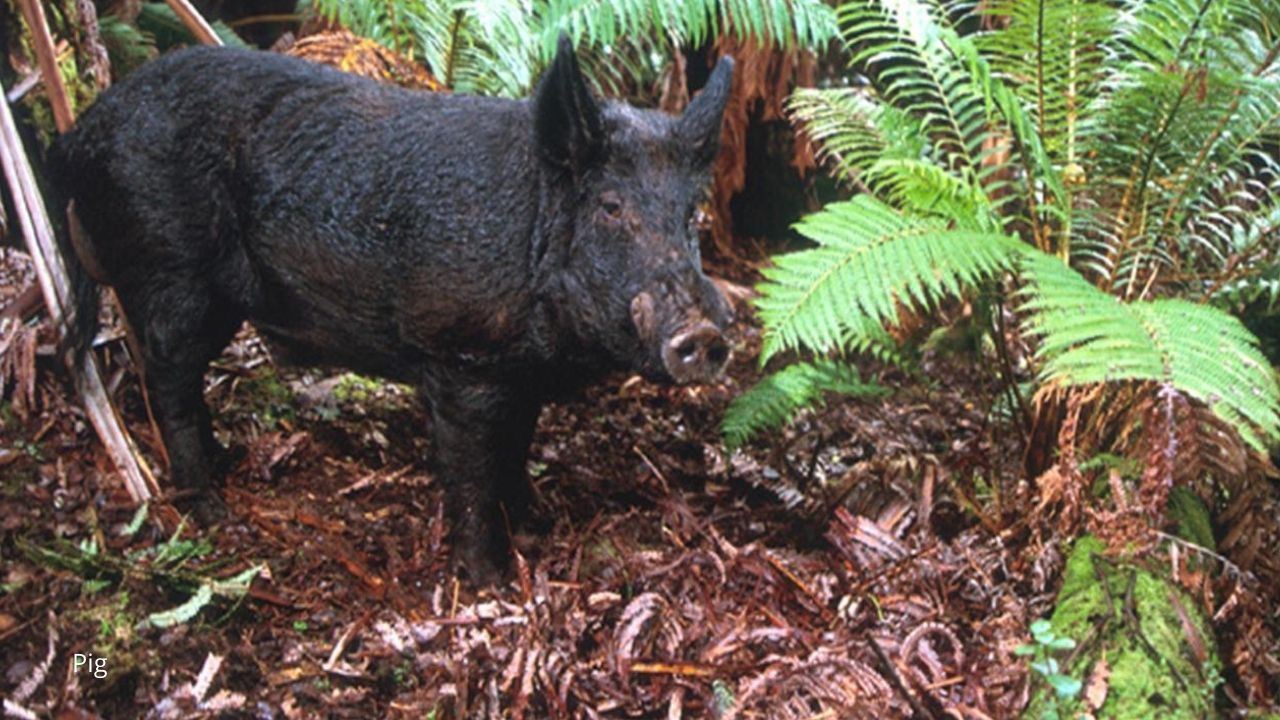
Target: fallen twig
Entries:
(54, 285)
(823, 610)
(47, 59)
(666, 487)
(195, 23)
(895, 678)
(331, 665)
(685, 669)
(38, 673)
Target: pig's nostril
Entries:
(718, 353)
(687, 350)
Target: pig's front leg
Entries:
(482, 434)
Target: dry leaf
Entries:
(1095, 690)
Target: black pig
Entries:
(493, 253)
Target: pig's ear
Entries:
(567, 121)
(699, 127)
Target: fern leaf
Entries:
(605, 23)
(853, 130)
(1089, 336)
(184, 613)
(1262, 289)
(777, 398)
(1051, 54)
(924, 69)
(928, 189)
(869, 259)
(498, 47)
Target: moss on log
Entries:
(1145, 649)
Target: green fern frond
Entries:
(924, 68)
(127, 46)
(499, 53)
(1134, 140)
(499, 47)
(184, 613)
(1244, 233)
(777, 398)
(927, 189)
(1262, 289)
(853, 131)
(1191, 94)
(1051, 53)
(1043, 173)
(604, 23)
(870, 338)
(1088, 336)
(869, 259)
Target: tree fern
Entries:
(926, 189)
(1190, 97)
(1262, 290)
(778, 397)
(486, 47)
(1051, 54)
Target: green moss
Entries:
(64, 23)
(114, 635)
(1128, 468)
(115, 622)
(269, 398)
(355, 388)
(1142, 682)
(1189, 511)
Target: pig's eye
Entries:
(611, 204)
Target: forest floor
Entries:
(852, 563)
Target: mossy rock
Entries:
(1143, 682)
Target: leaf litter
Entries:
(877, 559)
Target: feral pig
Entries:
(493, 253)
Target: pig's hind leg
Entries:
(181, 326)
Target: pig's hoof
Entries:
(480, 568)
(204, 506)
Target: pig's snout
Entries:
(697, 354)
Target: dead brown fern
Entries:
(763, 78)
(647, 627)
(18, 366)
(364, 57)
(821, 685)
